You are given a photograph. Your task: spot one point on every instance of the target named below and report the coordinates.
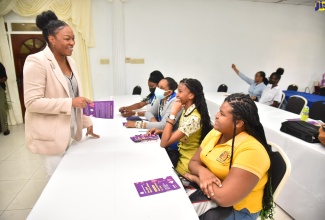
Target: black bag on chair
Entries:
(302, 130)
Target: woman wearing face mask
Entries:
(272, 94)
(150, 99)
(158, 114)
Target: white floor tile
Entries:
(5, 152)
(23, 153)
(28, 196)
(18, 169)
(280, 214)
(40, 173)
(15, 214)
(15, 138)
(9, 190)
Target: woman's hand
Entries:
(91, 133)
(154, 131)
(207, 179)
(177, 106)
(80, 102)
(130, 124)
(127, 113)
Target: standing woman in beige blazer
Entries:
(53, 94)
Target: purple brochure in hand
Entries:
(100, 109)
(156, 186)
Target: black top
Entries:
(2, 75)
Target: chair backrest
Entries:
(295, 104)
(136, 90)
(322, 91)
(223, 88)
(281, 169)
(317, 111)
(282, 99)
(292, 87)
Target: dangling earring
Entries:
(53, 45)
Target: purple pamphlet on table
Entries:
(100, 109)
(156, 186)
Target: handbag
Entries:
(302, 130)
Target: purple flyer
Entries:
(100, 109)
(156, 186)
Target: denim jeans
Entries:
(243, 214)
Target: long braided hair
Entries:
(196, 88)
(245, 109)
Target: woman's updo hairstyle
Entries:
(278, 73)
(48, 22)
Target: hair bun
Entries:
(43, 19)
(280, 71)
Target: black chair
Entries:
(136, 90)
(317, 111)
(295, 104)
(222, 88)
(322, 91)
(293, 87)
(281, 169)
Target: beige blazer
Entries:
(48, 105)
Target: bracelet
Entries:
(142, 125)
(170, 123)
(136, 114)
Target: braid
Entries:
(245, 109)
(199, 100)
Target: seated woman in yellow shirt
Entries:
(232, 164)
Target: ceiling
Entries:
(291, 2)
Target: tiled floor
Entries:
(22, 178)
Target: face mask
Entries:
(159, 93)
(152, 90)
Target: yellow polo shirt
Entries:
(249, 155)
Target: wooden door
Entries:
(22, 46)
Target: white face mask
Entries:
(159, 93)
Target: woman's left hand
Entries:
(91, 133)
(207, 179)
(130, 124)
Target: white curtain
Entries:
(76, 13)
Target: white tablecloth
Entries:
(95, 179)
(303, 196)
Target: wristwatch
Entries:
(172, 117)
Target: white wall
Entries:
(202, 38)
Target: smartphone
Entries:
(185, 181)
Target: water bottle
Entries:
(305, 113)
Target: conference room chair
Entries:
(282, 99)
(295, 104)
(293, 87)
(281, 169)
(222, 88)
(317, 111)
(136, 90)
(322, 91)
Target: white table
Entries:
(303, 196)
(95, 179)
